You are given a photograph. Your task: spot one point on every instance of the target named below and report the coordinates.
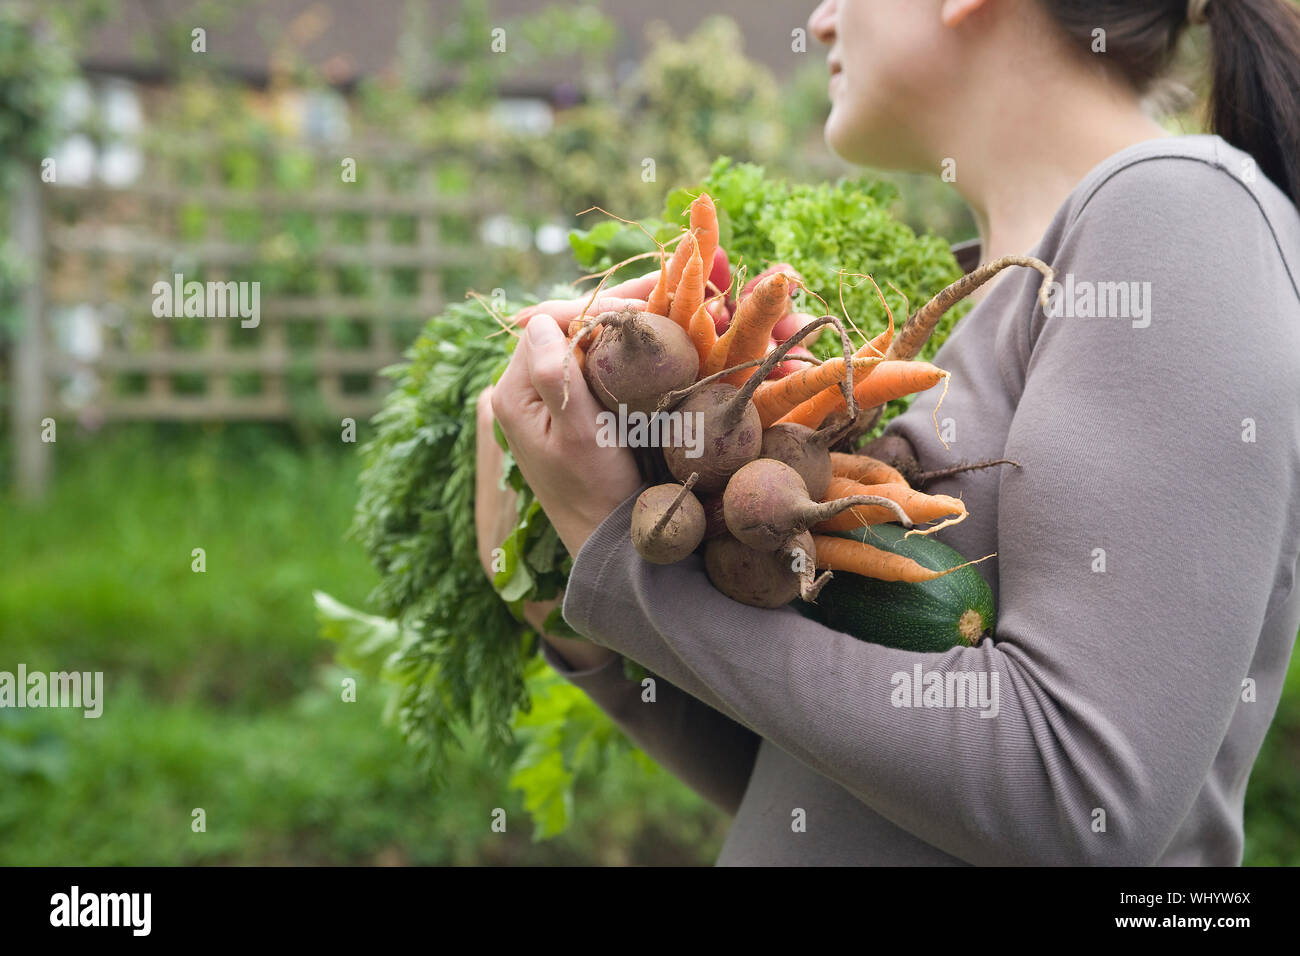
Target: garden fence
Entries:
(342, 274)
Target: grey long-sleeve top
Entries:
(1145, 569)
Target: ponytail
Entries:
(1254, 60)
(1255, 97)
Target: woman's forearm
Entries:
(578, 654)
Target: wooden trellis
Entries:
(334, 309)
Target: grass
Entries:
(220, 695)
(99, 575)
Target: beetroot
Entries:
(729, 422)
(804, 450)
(732, 430)
(764, 578)
(668, 522)
(636, 358)
(766, 505)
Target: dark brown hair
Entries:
(1254, 100)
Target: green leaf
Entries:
(547, 786)
(557, 625)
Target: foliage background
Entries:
(222, 694)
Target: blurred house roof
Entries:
(350, 39)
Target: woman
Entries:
(1146, 546)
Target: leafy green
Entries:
(415, 519)
(561, 736)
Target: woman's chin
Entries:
(841, 139)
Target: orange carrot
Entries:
(865, 469)
(717, 359)
(881, 342)
(855, 557)
(689, 294)
(703, 333)
(681, 256)
(893, 380)
(657, 303)
(819, 407)
(751, 327)
(917, 505)
(579, 351)
(775, 399)
(916, 330)
(884, 382)
(704, 223)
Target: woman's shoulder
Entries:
(1177, 188)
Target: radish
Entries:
(796, 360)
(668, 522)
(764, 578)
(766, 505)
(636, 358)
(790, 324)
(728, 421)
(720, 271)
(720, 314)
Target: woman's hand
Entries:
(495, 509)
(577, 481)
(556, 451)
(631, 293)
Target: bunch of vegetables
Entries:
(452, 645)
(764, 468)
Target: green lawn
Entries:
(220, 694)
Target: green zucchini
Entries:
(955, 610)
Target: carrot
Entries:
(681, 256)
(916, 331)
(751, 327)
(819, 407)
(658, 300)
(917, 505)
(704, 224)
(893, 380)
(703, 333)
(865, 469)
(689, 294)
(884, 382)
(880, 344)
(578, 347)
(855, 557)
(775, 399)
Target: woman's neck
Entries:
(1022, 156)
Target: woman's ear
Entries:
(955, 11)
